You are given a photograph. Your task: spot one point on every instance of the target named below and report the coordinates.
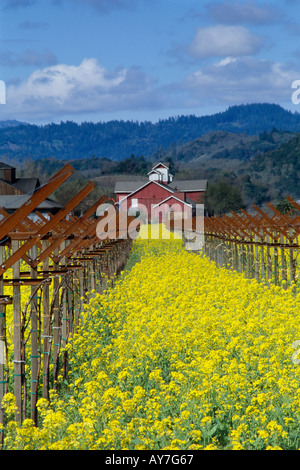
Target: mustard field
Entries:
(180, 354)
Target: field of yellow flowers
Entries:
(180, 354)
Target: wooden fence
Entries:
(46, 269)
(263, 245)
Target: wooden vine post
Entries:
(2, 349)
(46, 337)
(60, 250)
(4, 300)
(35, 353)
(262, 246)
(18, 369)
(55, 324)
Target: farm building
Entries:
(15, 191)
(161, 194)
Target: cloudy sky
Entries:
(98, 60)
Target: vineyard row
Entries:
(46, 268)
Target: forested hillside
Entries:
(261, 173)
(117, 140)
(279, 169)
(251, 151)
(228, 146)
(263, 176)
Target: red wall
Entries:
(197, 196)
(152, 194)
(162, 210)
(121, 196)
(149, 195)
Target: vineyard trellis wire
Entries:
(263, 245)
(52, 262)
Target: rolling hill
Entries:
(117, 140)
(253, 147)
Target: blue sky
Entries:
(98, 60)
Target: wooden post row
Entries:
(59, 250)
(263, 246)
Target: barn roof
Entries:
(154, 171)
(27, 185)
(164, 186)
(180, 185)
(128, 186)
(187, 203)
(165, 164)
(188, 185)
(15, 201)
(4, 166)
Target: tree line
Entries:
(118, 139)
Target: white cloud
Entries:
(87, 88)
(226, 61)
(64, 91)
(224, 41)
(242, 80)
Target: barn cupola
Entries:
(160, 173)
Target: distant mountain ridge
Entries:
(117, 140)
(11, 123)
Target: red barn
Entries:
(160, 194)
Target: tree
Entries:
(223, 196)
(133, 165)
(70, 188)
(284, 206)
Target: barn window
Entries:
(134, 202)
